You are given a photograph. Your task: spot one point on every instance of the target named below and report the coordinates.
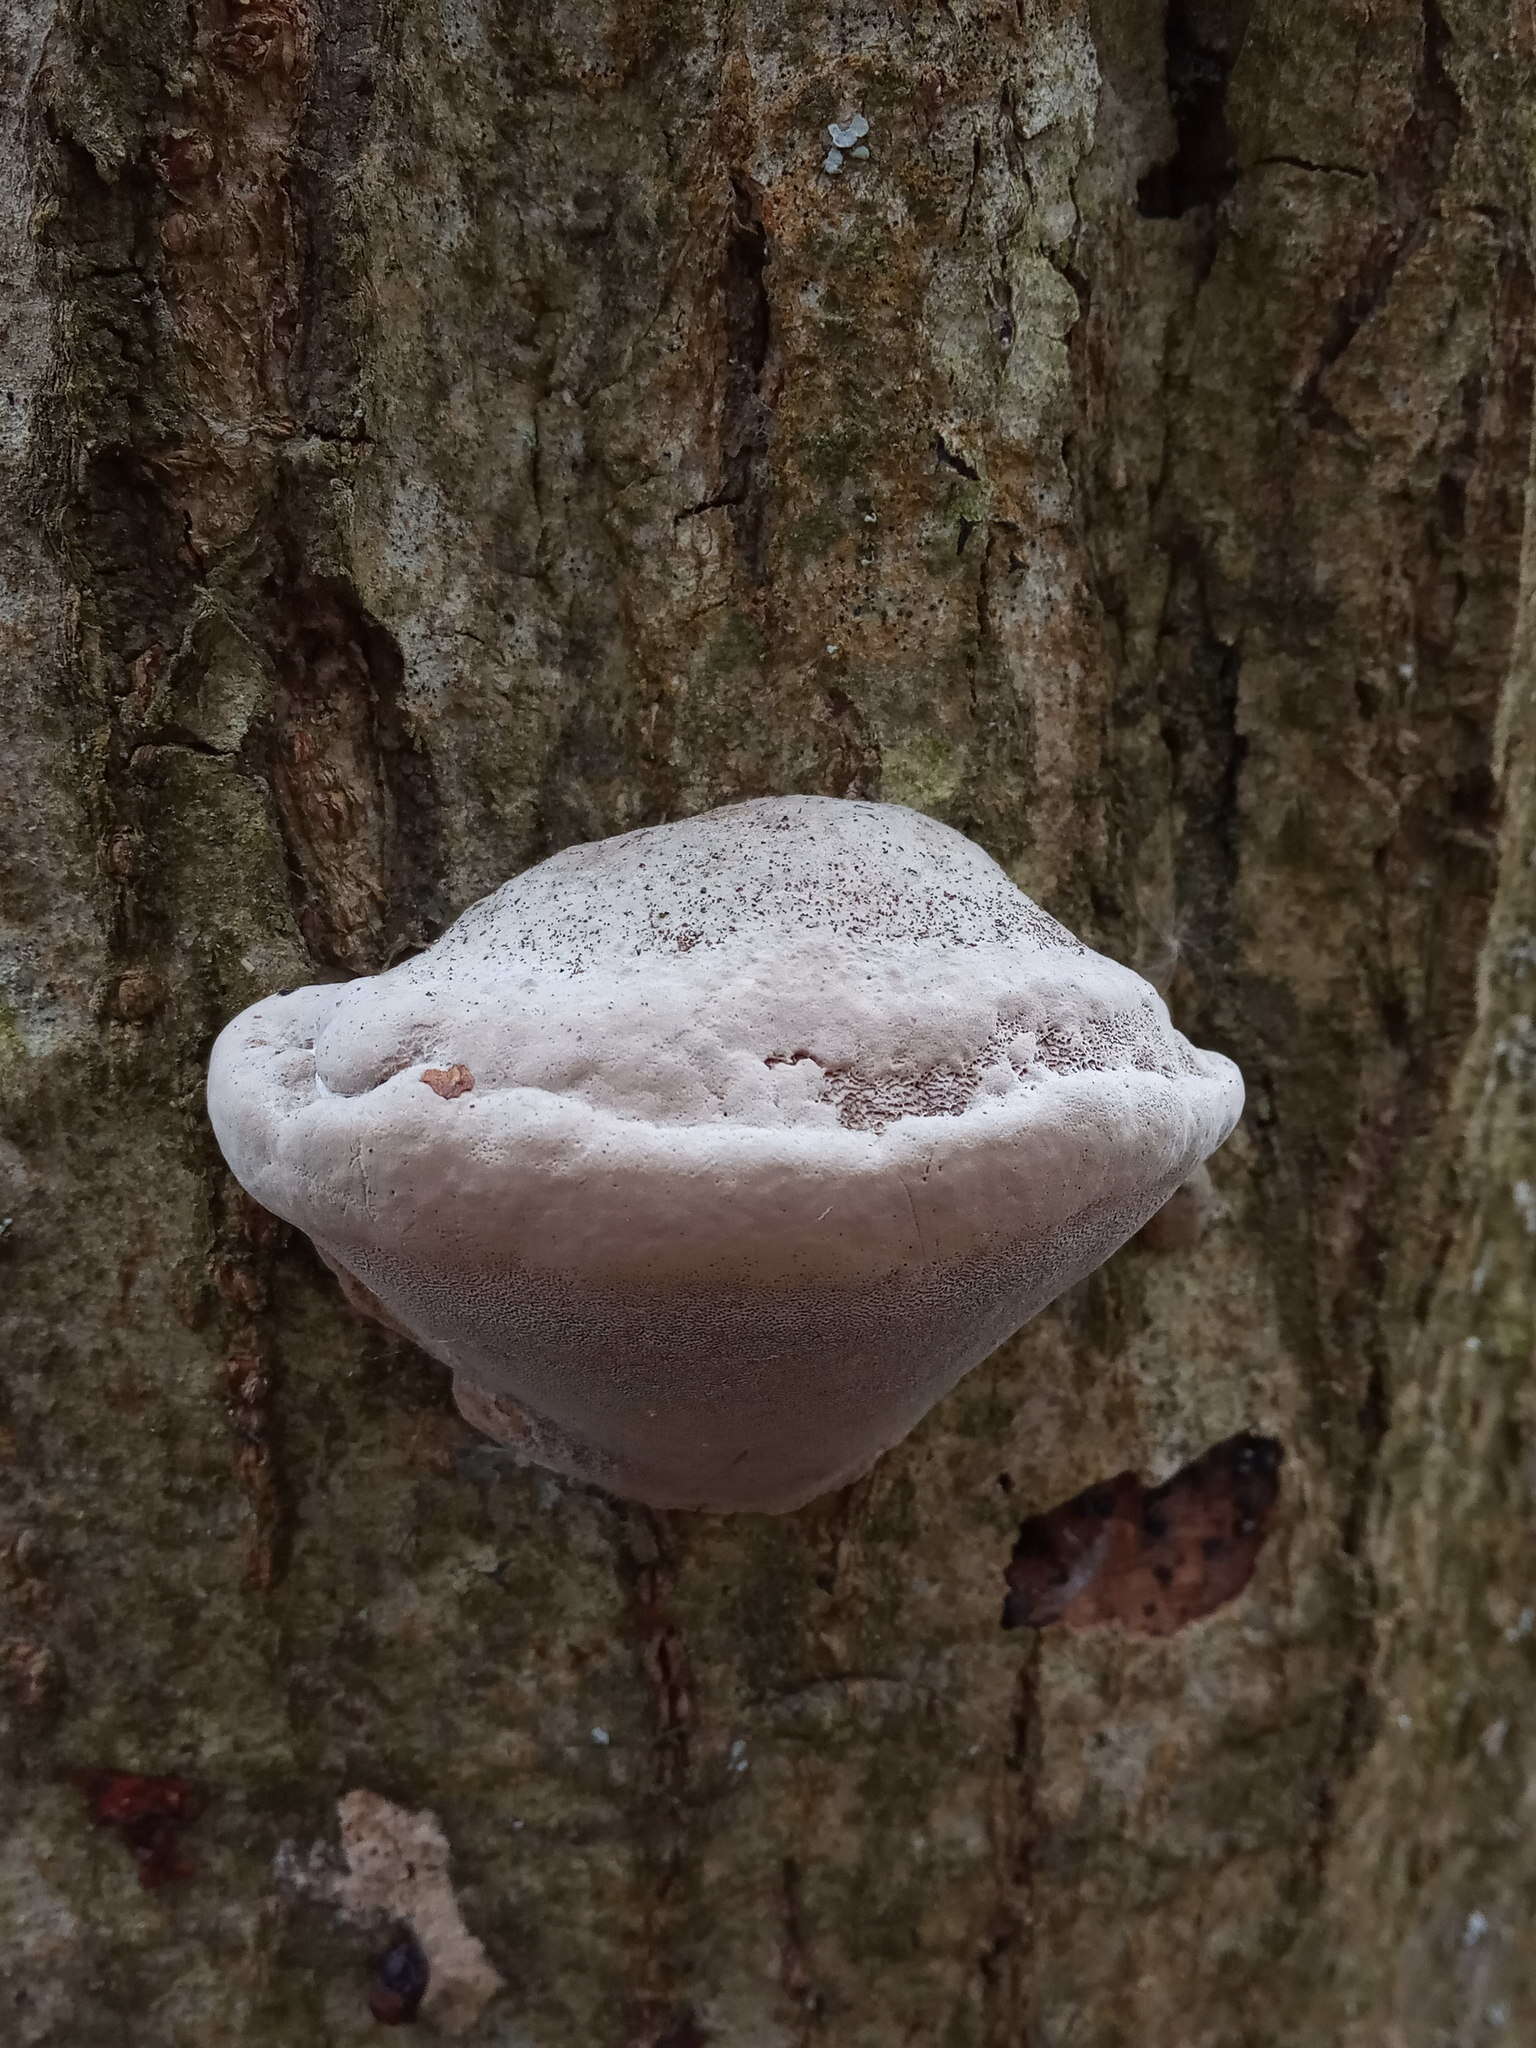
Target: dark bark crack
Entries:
(950, 460)
(660, 2016)
(354, 790)
(1410, 191)
(746, 410)
(1199, 61)
(244, 1254)
(1005, 1965)
(1302, 163)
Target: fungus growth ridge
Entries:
(708, 1157)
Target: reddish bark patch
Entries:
(138, 995)
(449, 1081)
(149, 1815)
(1152, 1559)
(186, 158)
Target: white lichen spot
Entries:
(1525, 1202)
(397, 1868)
(601, 1737)
(1475, 1929)
(847, 140)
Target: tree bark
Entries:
(437, 431)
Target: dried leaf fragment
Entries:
(449, 1081)
(1152, 1559)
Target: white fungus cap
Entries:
(710, 1156)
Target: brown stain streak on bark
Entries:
(245, 1250)
(1006, 1965)
(648, 1567)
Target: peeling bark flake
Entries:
(1152, 1559)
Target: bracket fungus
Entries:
(710, 1156)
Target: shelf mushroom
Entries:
(710, 1156)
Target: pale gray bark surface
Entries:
(435, 431)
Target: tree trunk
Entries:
(438, 431)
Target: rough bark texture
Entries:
(435, 431)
